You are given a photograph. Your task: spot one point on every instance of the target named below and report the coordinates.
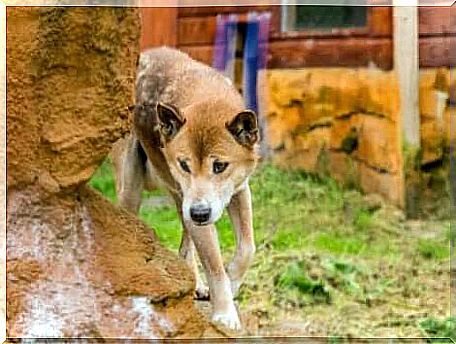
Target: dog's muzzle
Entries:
(200, 214)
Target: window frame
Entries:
(277, 33)
(356, 47)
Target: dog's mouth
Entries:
(200, 224)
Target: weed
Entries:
(295, 277)
(363, 219)
(432, 249)
(342, 275)
(437, 329)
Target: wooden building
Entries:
(192, 29)
(330, 93)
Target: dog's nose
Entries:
(200, 214)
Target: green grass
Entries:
(363, 219)
(320, 246)
(166, 222)
(292, 211)
(433, 249)
(294, 278)
(288, 208)
(103, 181)
(439, 328)
(340, 244)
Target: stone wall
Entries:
(78, 266)
(345, 123)
(438, 120)
(437, 116)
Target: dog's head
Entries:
(211, 149)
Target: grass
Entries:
(295, 279)
(292, 210)
(435, 328)
(433, 249)
(321, 250)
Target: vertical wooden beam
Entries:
(159, 26)
(406, 65)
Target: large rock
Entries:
(70, 82)
(435, 113)
(78, 265)
(338, 122)
(346, 123)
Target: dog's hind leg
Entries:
(240, 212)
(207, 246)
(130, 174)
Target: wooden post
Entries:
(407, 69)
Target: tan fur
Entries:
(187, 112)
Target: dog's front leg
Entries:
(187, 252)
(206, 242)
(240, 211)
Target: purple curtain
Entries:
(255, 55)
(255, 50)
(225, 44)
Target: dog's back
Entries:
(170, 76)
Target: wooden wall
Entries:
(437, 43)
(158, 27)
(192, 29)
(197, 26)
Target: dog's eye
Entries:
(184, 166)
(219, 167)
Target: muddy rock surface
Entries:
(76, 264)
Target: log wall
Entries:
(373, 45)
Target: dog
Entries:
(192, 134)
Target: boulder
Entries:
(77, 265)
(339, 122)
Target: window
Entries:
(323, 18)
(339, 35)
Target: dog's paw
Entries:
(229, 320)
(202, 292)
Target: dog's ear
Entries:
(170, 120)
(244, 128)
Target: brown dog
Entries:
(192, 134)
